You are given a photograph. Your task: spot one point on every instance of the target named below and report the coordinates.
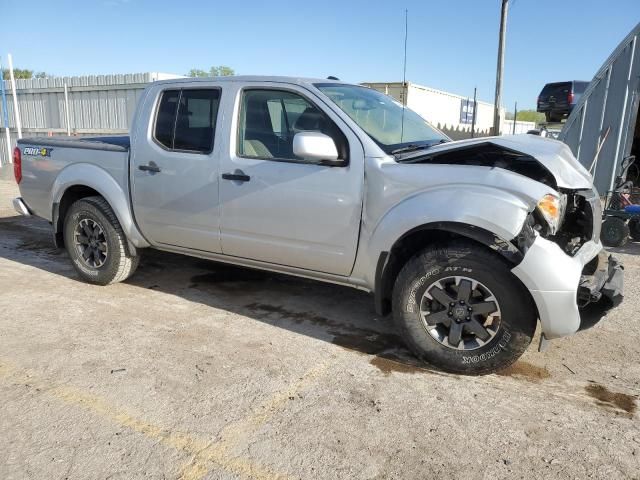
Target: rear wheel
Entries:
(553, 117)
(615, 232)
(96, 243)
(634, 229)
(461, 309)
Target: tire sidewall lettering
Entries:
(488, 355)
(411, 306)
(412, 302)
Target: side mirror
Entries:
(316, 146)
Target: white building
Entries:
(451, 113)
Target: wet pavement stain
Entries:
(229, 275)
(37, 240)
(15, 224)
(264, 310)
(40, 247)
(526, 371)
(368, 342)
(388, 349)
(611, 400)
(390, 365)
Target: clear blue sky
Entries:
(452, 44)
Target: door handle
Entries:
(238, 176)
(152, 167)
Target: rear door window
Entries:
(186, 119)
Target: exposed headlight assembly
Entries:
(551, 208)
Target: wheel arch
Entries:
(83, 180)
(390, 262)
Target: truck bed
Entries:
(46, 160)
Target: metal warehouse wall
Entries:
(599, 131)
(98, 105)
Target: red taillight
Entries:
(570, 98)
(17, 164)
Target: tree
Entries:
(219, 71)
(17, 73)
(24, 73)
(224, 71)
(194, 72)
(527, 116)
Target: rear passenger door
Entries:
(174, 169)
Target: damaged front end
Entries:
(580, 222)
(600, 283)
(572, 281)
(600, 289)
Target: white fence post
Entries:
(16, 110)
(66, 107)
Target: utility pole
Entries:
(515, 117)
(500, 69)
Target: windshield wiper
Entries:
(412, 147)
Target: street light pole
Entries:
(500, 69)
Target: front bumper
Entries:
(558, 284)
(601, 290)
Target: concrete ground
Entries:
(195, 370)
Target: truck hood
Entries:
(555, 156)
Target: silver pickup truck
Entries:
(468, 243)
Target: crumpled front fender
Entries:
(487, 209)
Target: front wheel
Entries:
(96, 243)
(461, 309)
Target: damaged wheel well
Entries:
(390, 263)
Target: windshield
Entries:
(384, 119)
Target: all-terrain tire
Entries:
(614, 232)
(516, 321)
(118, 264)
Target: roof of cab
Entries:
(250, 78)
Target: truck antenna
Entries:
(404, 72)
